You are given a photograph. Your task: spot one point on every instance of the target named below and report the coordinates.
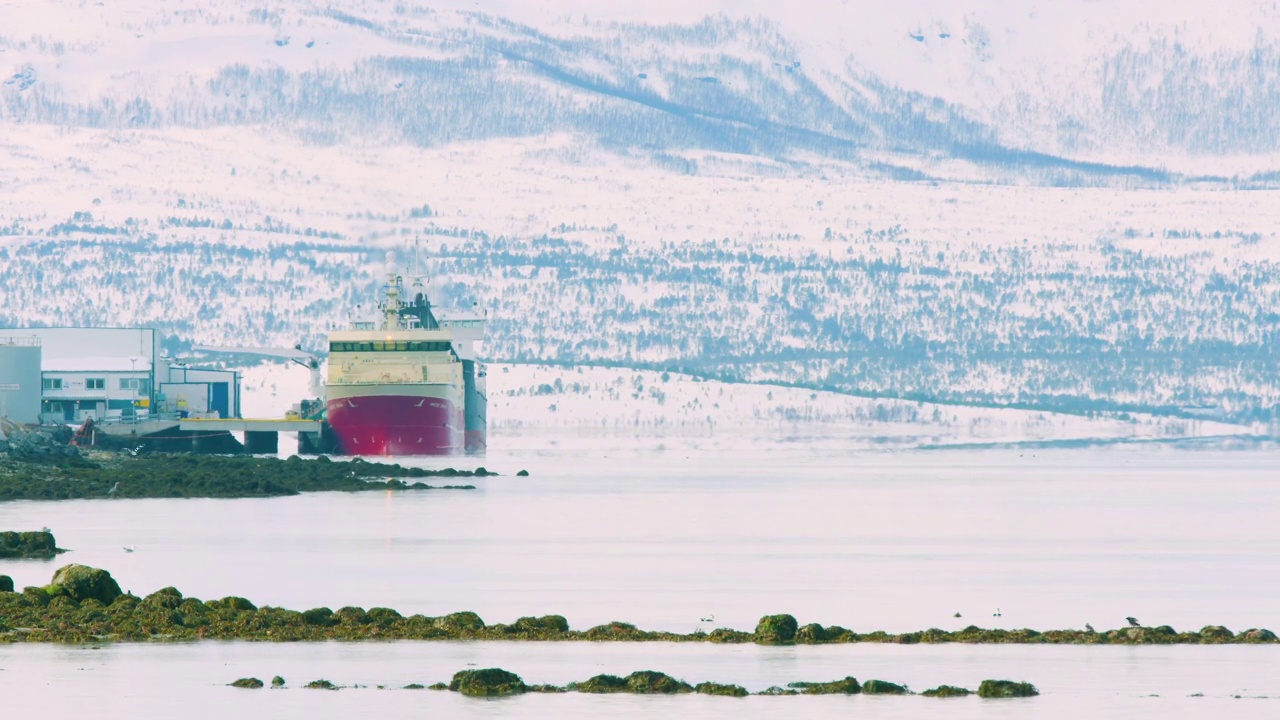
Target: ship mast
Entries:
(393, 289)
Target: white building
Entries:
(119, 374)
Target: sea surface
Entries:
(664, 537)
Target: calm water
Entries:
(895, 541)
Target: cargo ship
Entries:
(407, 381)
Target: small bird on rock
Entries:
(1088, 627)
(1133, 622)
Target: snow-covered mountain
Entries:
(1042, 204)
(1063, 89)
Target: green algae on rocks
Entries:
(248, 683)
(489, 682)
(84, 604)
(947, 691)
(36, 545)
(1006, 689)
(210, 476)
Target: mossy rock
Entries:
(847, 686)
(601, 684)
(776, 630)
(489, 682)
(248, 683)
(811, 634)
(460, 622)
(38, 545)
(1006, 689)
(438, 686)
(320, 617)
(883, 687)
(947, 691)
(553, 624)
(238, 604)
(728, 636)
(776, 691)
(168, 597)
(711, 688)
(415, 686)
(277, 682)
(320, 685)
(36, 595)
(615, 631)
(547, 689)
(384, 616)
(1216, 633)
(652, 682)
(6, 583)
(1257, 635)
(81, 582)
(355, 615)
(523, 473)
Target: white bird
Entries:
(130, 548)
(996, 613)
(112, 491)
(134, 451)
(709, 618)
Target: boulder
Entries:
(811, 634)
(321, 684)
(321, 617)
(39, 545)
(538, 626)
(1216, 633)
(1258, 635)
(730, 636)
(459, 622)
(847, 686)
(601, 684)
(776, 691)
(776, 630)
(277, 682)
(6, 583)
(946, 691)
(238, 604)
(710, 688)
(165, 597)
(80, 582)
(489, 682)
(248, 683)
(882, 687)
(523, 473)
(1006, 689)
(651, 682)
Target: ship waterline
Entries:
(397, 419)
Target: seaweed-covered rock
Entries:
(351, 614)
(777, 691)
(248, 683)
(6, 583)
(1216, 633)
(236, 603)
(616, 631)
(882, 687)
(811, 634)
(383, 616)
(552, 689)
(320, 684)
(168, 597)
(711, 688)
(38, 545)
(438, 686)
(946, 691)
(729, 636)
(1006, 689)
(321, 616)
(651, 682)
(601, 684)
(776, 630)
(415, 686)
(277, 682)
(459, 622)
(543, 625)
(489, 682)
(846, 686)
(81, 582)
(523, 473)
(1257, 635)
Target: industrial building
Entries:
(109, 375)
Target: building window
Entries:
(95, 384)
(53, 383)
(141, 385)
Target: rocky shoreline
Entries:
(36, 545)
(101, 475)
(84, 605)
(496, 682)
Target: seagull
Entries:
(134, 451)
(1133, 622)
(1089, 627)
(996, 613)
(130, 548)
(709, 618)
(112, 491)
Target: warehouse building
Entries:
(110, 375)
(20, 379)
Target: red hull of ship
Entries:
(396, 425)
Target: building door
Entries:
(218, 400)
